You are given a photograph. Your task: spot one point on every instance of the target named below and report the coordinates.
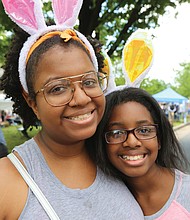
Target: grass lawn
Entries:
(14, 137)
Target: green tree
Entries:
(119, 80)
(153, 86)
(112, 21)
(182, 80)
(4, 42)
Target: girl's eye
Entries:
(116, 134)
(143, 131)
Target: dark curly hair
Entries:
(10, 83)
(170, 155)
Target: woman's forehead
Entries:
(58, 63)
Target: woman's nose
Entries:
(80, 98)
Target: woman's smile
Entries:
(82, 118)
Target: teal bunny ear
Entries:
(108, 69)
(137, 58)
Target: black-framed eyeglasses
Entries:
(59, 92)
(144, 132)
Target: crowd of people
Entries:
(174, 112)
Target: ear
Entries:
(27, 14)
(31, 103)
(66, 11)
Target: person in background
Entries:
(3, 145)
(165, 109)
(60, 84)
(3, 115)
(136, 143)
(171, 113)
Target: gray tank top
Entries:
(105, 199)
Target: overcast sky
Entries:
(171, 44)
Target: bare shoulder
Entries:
(13, 190)
(7, 173)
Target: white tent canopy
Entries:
(5, 104)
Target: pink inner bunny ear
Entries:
(21, 11)
(66, 11)
(24, 12)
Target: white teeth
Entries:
(80, 117)
(137, 157)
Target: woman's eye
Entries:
(56, 90)
(90, 83)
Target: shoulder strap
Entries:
(34, 187)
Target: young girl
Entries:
(53, 78)
(139, 141)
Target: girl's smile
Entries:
(136, 160)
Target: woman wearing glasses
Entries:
(139, 146)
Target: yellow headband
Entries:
(66, 35)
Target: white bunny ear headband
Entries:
(137, 59)
(29, 16)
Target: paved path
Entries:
(183, 135)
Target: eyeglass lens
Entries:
(60, 92)
(141, 133)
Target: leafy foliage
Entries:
(5, 40)
(6, 26)
(153, 86)
(112, 21)
(182, 80)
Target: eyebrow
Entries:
(112, 124)
(51, 79)
(142, 122)
(139, 123)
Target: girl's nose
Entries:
(80, 98)
(131, 141)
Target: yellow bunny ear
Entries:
(137, 57)
(108, 69)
